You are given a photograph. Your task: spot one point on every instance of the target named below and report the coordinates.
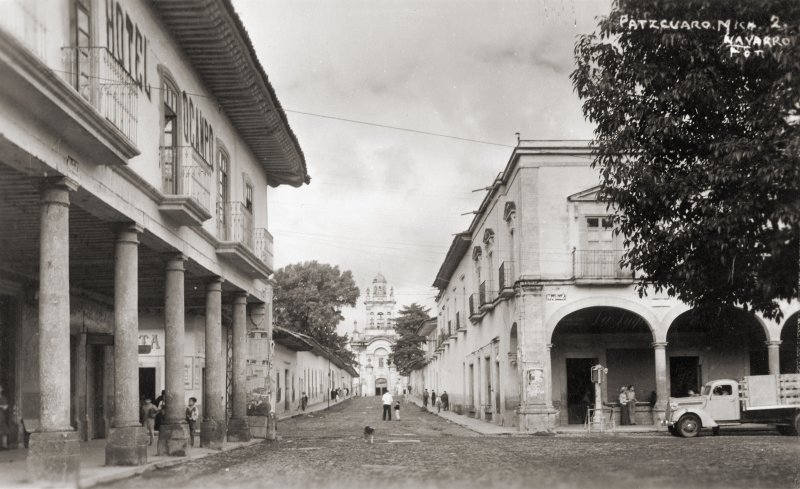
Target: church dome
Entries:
(379, 279)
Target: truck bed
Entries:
(770, 392)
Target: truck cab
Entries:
(717, 403)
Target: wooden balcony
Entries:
(186, 184)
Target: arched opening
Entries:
(788, 349)
(614, 337)
(512, 383)
(727, 344)
(381, 386)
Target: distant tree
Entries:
(407, 349)
(309, 297)
(698, 144)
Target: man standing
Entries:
(425, 396)
(445, 401)
(387, 405)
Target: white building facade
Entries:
(532, 296)
(137, 142)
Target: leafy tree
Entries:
(309, 297)
(698, 145)
(407, 349)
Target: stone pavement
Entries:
(326, 449)
(13, 471)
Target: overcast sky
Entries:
(389, 201)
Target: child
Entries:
(397, 410)
(149, 413)
(192, 414)
(438, 404)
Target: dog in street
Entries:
(369, 434)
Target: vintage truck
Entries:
(762, 399)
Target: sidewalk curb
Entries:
(126, 473)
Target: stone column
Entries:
(536, 413)
(662, 389)
(127, 441)
(238, 430)
(173, 436)
(54, 454)
(212, 431)
(774, 352)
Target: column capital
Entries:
(240, 297)
(61, 183)
(660, 344)
(174, 261)
(128, 232)
(214, 284)
(773, 343)
(549, 346)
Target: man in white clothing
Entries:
(387, 405)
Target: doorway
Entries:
(579, 384)
(8, 362)
(684, 374)
(147, 383)
(381, 387)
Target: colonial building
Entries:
(137, 142)
(373, 345)
(531, 296)
(304, 366)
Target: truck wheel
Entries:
(796, 423)
(689, 426)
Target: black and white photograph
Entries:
(400, 244)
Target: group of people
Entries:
(152, 414)
(440, 402)
(387, 400)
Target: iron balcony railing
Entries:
(235, 223)
(262, 240)
(22, 19)
(599, 264)
(485, 293)
(103, 82)
(474, 305)
(506, 275)
(182, 174)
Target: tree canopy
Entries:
(698, 144)
(309, 297)
(407, 349)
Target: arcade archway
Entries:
(788, 349)
(614, 337)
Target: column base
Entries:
(537, 419)
(238, 431)
(173, 439)
(127, 445)
(54, 457)
(212, 434)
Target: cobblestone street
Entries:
(326, 449)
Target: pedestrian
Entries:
(433, 398)
(445, 401)
(192, 415)
(405, 396)
(425, 396)
(631, 395)
(397, 410)
(439, 405)
(149, 413)
(303, 401)
(624, 417)
(387, 405)
(3, 421)
(161, 405)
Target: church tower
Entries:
(372, 344)
(380, 304)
